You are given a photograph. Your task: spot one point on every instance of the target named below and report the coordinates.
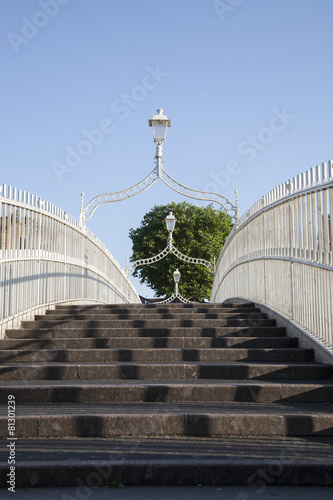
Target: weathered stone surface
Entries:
(165, 395)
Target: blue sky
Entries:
(247, 85)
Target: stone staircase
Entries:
(176, 394)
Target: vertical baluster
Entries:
(308, 178)
(303, 180)
(330, 166)
(307, 270)
(326, 223)
(34, 229)
(7, 230)
(324, 172)
(305, 228)
(294, 234)
(14, 229)
(280, 228)
(290, 228)
(28, 231)
(287, 229)
(331, 226)
(2, 223)
(314, 227)
(299, 228)
(19, 230)
(325, 307)
(294, 188)
(49, 236)
(309, 227)
(320, 226)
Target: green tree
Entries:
(200, 232)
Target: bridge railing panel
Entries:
(47, 259)
(281, 253)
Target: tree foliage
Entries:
(200, 232)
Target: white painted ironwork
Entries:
(148, 261)
(281, 254)
(159, 173)
(168, 249)
(164, 253)
(198, 195)
(87, 211)
(46, 259)
(192, 260)
(176, 294)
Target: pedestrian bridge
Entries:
(279, 256)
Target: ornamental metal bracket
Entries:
(158, 172)
(87, 211)
(175, 295)
(169, 249)
(192, 260)
(231, 209)
(148, 261)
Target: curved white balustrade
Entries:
(47, 259)
(280, 254)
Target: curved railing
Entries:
(280, 254)
(47, 259)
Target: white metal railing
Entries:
(46, 259)
(280, 254)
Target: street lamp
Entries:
(176, 278)
(170, 222)
(159, 124)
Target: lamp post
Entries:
(170, 222)
(176, 278)
(159, 123)
(176, 294)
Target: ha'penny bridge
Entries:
(108, 390)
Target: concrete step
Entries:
(188, 374)
(174, 391)
(149, 342)
(165, 355)
(168, 420)
(165, 371)
(131, 315)
(139, 310)
(248, 307)
(148, 323)
(168, 331)
(189, 461)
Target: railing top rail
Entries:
(314, 179)
(21, 198)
